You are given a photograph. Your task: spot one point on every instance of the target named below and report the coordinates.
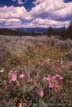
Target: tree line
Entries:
(63, 32)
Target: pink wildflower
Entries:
(48, 78)
(51, 85)
(22, 76)
(53, 81)
(12, 76)
(58, 77)
(41, 93)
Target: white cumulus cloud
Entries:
(53, 12)
(13, 15)
(46, 13)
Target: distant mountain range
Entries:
(62, 32)
(33, 29)
(37, 29)
(22, 31)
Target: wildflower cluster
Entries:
(54, 82)
(12, 75)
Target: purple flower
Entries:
(58, 77)
(40, 93)
(12, 76)
(48, 78)
(53, 81)
(22, 76)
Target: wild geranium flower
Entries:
(58, 77)
(57, 82)
(48, 78)
(51, 85)
(40, 93)
(22, 76)
(12, 76)
(53, 81)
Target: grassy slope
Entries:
(39, 56)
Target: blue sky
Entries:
(35, 13)
(28, 4)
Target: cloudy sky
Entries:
(35, 13)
